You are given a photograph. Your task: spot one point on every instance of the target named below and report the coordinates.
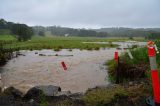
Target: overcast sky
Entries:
(83, 13)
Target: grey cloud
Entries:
(83, 13)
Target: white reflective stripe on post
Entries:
(129, 53)
(153, 63)
(156, 48)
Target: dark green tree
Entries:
(22, 31)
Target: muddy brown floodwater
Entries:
(85, 69)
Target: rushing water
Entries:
(85, 69)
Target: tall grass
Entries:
(140, 56)
(58, 43)
(6, 39)
(6, 52)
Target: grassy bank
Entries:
(128, 67)
(6, 53)
(136, 69)
(133, 70)
(104, 96)
(140, 59)
(115, 95)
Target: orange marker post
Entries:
(154, 73)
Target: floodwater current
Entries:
(85, 69)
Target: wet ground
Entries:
(85, 69)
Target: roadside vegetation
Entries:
(140, 63)
(117, 95)
(6, 53)
(130, 69)
(134, 72)
(104, 96)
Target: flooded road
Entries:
(85, 69)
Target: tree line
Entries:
(21, 31)
(24, 32)
(63, 31)
(102, 32)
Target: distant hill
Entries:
(64, 31)
(123, 29)
(102, 32)
(128, 32)
(23, 30)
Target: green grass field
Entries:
(7, 39)
(58, 43)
